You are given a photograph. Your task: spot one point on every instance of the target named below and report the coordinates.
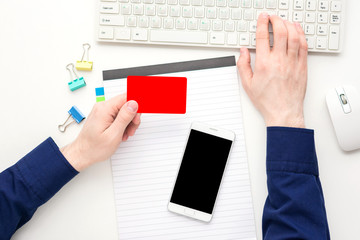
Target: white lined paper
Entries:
(145, 167)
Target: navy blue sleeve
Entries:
(30, 183)
(294, 208)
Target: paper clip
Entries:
(100, 94)
(77, 82)
(77, 116)
(85, 65)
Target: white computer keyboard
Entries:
(216, 23)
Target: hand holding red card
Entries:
(158, 94)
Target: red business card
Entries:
(158, 94)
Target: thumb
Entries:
(124, 117)
(244, 68)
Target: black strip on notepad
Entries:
(170, 68)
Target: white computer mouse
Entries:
(344, 107)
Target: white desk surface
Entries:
(38, 38)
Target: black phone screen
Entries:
(201, 171)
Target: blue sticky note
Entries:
(99, 91)
(76, 114)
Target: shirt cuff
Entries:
(45, 170)
(291, 150)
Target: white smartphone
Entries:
(201, 171)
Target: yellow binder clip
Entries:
(84, 65)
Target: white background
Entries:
(37, 40)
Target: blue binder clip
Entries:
(77, 82)
(77, 116)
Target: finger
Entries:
(117, 101)
(293, 40)
(303, 49)
(244, 68)
(137, 119)
(131, 129)
(125, 116)
(262, 35)
(280, 34)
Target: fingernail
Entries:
(264, 15)
(132, 106)
(242, 50)
(297, 25)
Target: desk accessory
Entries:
(77, 82)
(144, 168)
(76, 115)
(344, 107)
(84, 65)
(220, 23)
(100, 94)
(158, 94)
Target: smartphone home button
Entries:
(189, 212)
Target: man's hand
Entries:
(277, 85)
(108, 124)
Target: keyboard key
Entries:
(335, 6)
(204, 25)
(224, 13)
(283, 15)
(155, 22)
(244, 39)
(140, 34)
(310, 17)
(109, 8)
(334, 37)
(217, 38)
(220, 3)
(122, 33)
(246, 3)
(199, 12)
(211, 13)
(187, 12)
(309, 29)
(143, 22)
(233, 3)
(322, 30)
(217, 25)
(259, 4)
(253, 39)
(298, 16)
(229, 26)
(185, 2)
(321, 43)
(252, 26)
(138, 9)
(150, 10)
(324, 6)
(209, 3)
(231, 39)
(112, 20)
(242, 26)
(284, 4)
(310, 42)
(322, 17)
(172, 2)
(178, 37)
(196, 2)
(168, 23)
(310, 5)
(125, 9)
(335, 18)
(106, 33)
(192, 24)
(271, 4)
(298, 4)
(174, 11)
(162, 11)
(131, 21)
(236, 14)
(248, 14)
(180, 23)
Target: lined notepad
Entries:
(145, 167)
